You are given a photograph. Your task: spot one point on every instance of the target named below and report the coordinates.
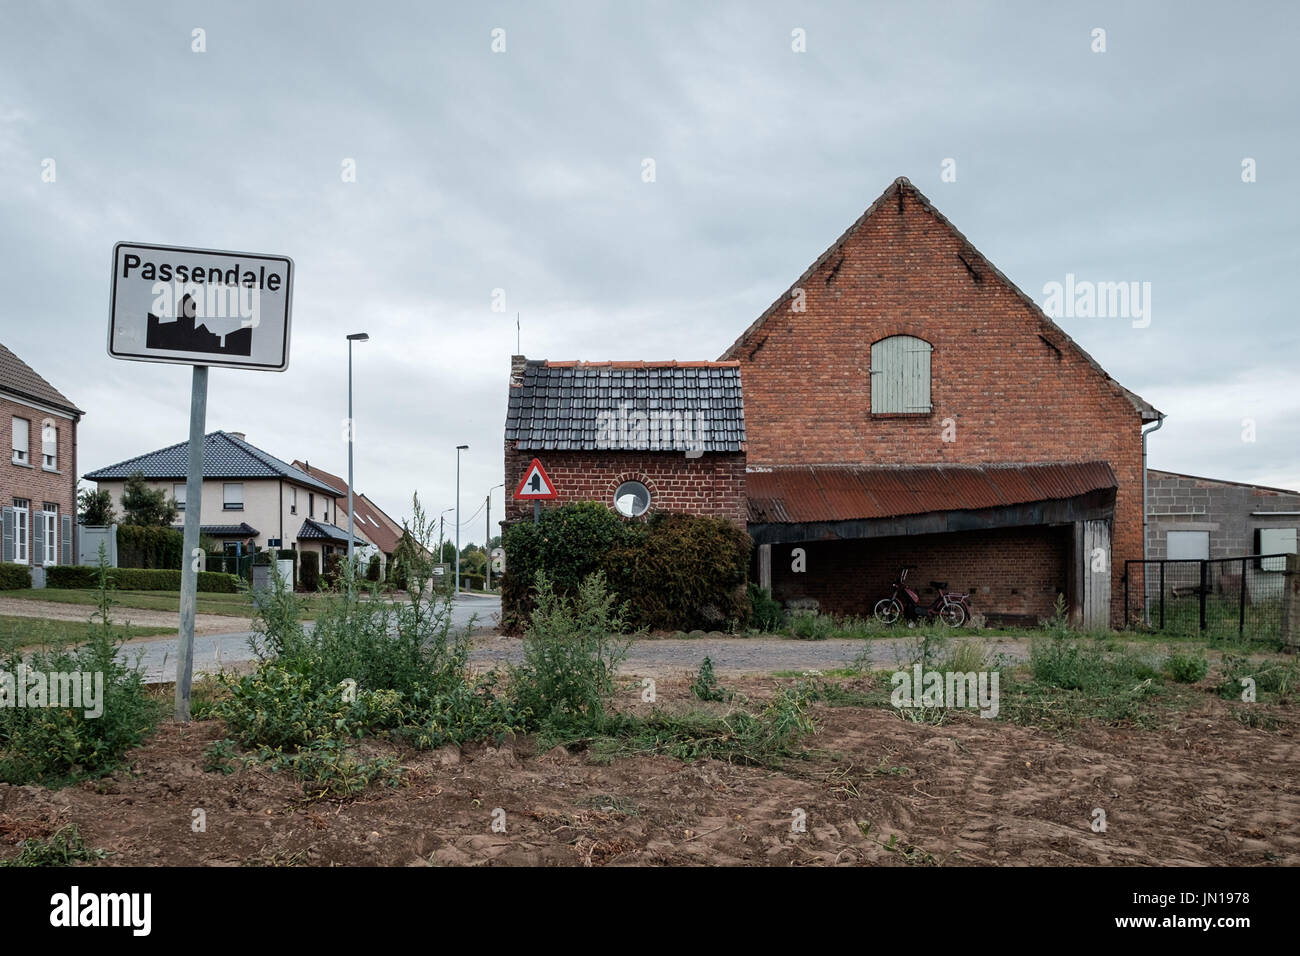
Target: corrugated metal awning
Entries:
(811, 493)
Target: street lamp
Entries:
(459, 449)
(487, 542)
(354, 337)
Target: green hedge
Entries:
(148, 547)
(309, 571)
(675, 571)
(137, 579)
(15, 577)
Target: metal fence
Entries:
(1217, 598)
(241, 565)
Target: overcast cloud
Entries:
(521, 171)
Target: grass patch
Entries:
(16, 632)
(232, 605)
(63, 848)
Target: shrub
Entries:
(309, 571)
(56, 745)
(330, 574)
(139, 546)
(686, 573)
(705, 685)
(1187, 668)
(15, 577)
(138, 579)
(765, 612)
(368, 666)
(675, 571)
(571, 653)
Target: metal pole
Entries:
(190, 561)
(458, 450)
(487, 544)
(351, 543)
(1241, 613)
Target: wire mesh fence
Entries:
(1219, 598)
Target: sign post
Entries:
(536, 486)
(198, 307)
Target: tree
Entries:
(448, 552)
(142, 505)
(96, 507)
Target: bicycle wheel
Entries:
(954, 615)
(888, 610)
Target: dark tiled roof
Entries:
(19, 378)
(627, 406)
(811, 493)
(241, 530)
(323, 531)
(224, 456)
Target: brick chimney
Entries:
(517, 363)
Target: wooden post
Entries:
(1291, 603)
(765, 566)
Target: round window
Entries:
(632, 499)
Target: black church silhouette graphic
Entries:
(181, 334)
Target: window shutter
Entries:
(21, 427)
(66, 555)
(50, 441)
(900, 375)
(38, 538)
(8, 528)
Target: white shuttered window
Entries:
(900, 376)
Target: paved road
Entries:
(156, 656)
(659, 658)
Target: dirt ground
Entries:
(878, 791)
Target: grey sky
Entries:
(521, 171)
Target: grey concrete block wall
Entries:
(1230, 512)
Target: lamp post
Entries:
(459, 449)
(487, 541)
(354, 337)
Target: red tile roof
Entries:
(19, 378)
(371, 521)
(810, 493)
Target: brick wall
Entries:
(713, 484)
(1011, 574)
(35, 483)
(1015, 388)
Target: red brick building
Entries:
(904, 403)
(38, 485)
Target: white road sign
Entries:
(200, 307)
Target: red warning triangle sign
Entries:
(536, 484)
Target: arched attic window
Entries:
(900, 376)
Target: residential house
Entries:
(250, 497)
(901, 403)
(369, 520)
(38, 487)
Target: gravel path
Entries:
(736, 656)
(58, 611)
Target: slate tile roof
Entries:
(323, 531)
(627, 406)
(241, 530)
(19, 378)
(224, 456)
